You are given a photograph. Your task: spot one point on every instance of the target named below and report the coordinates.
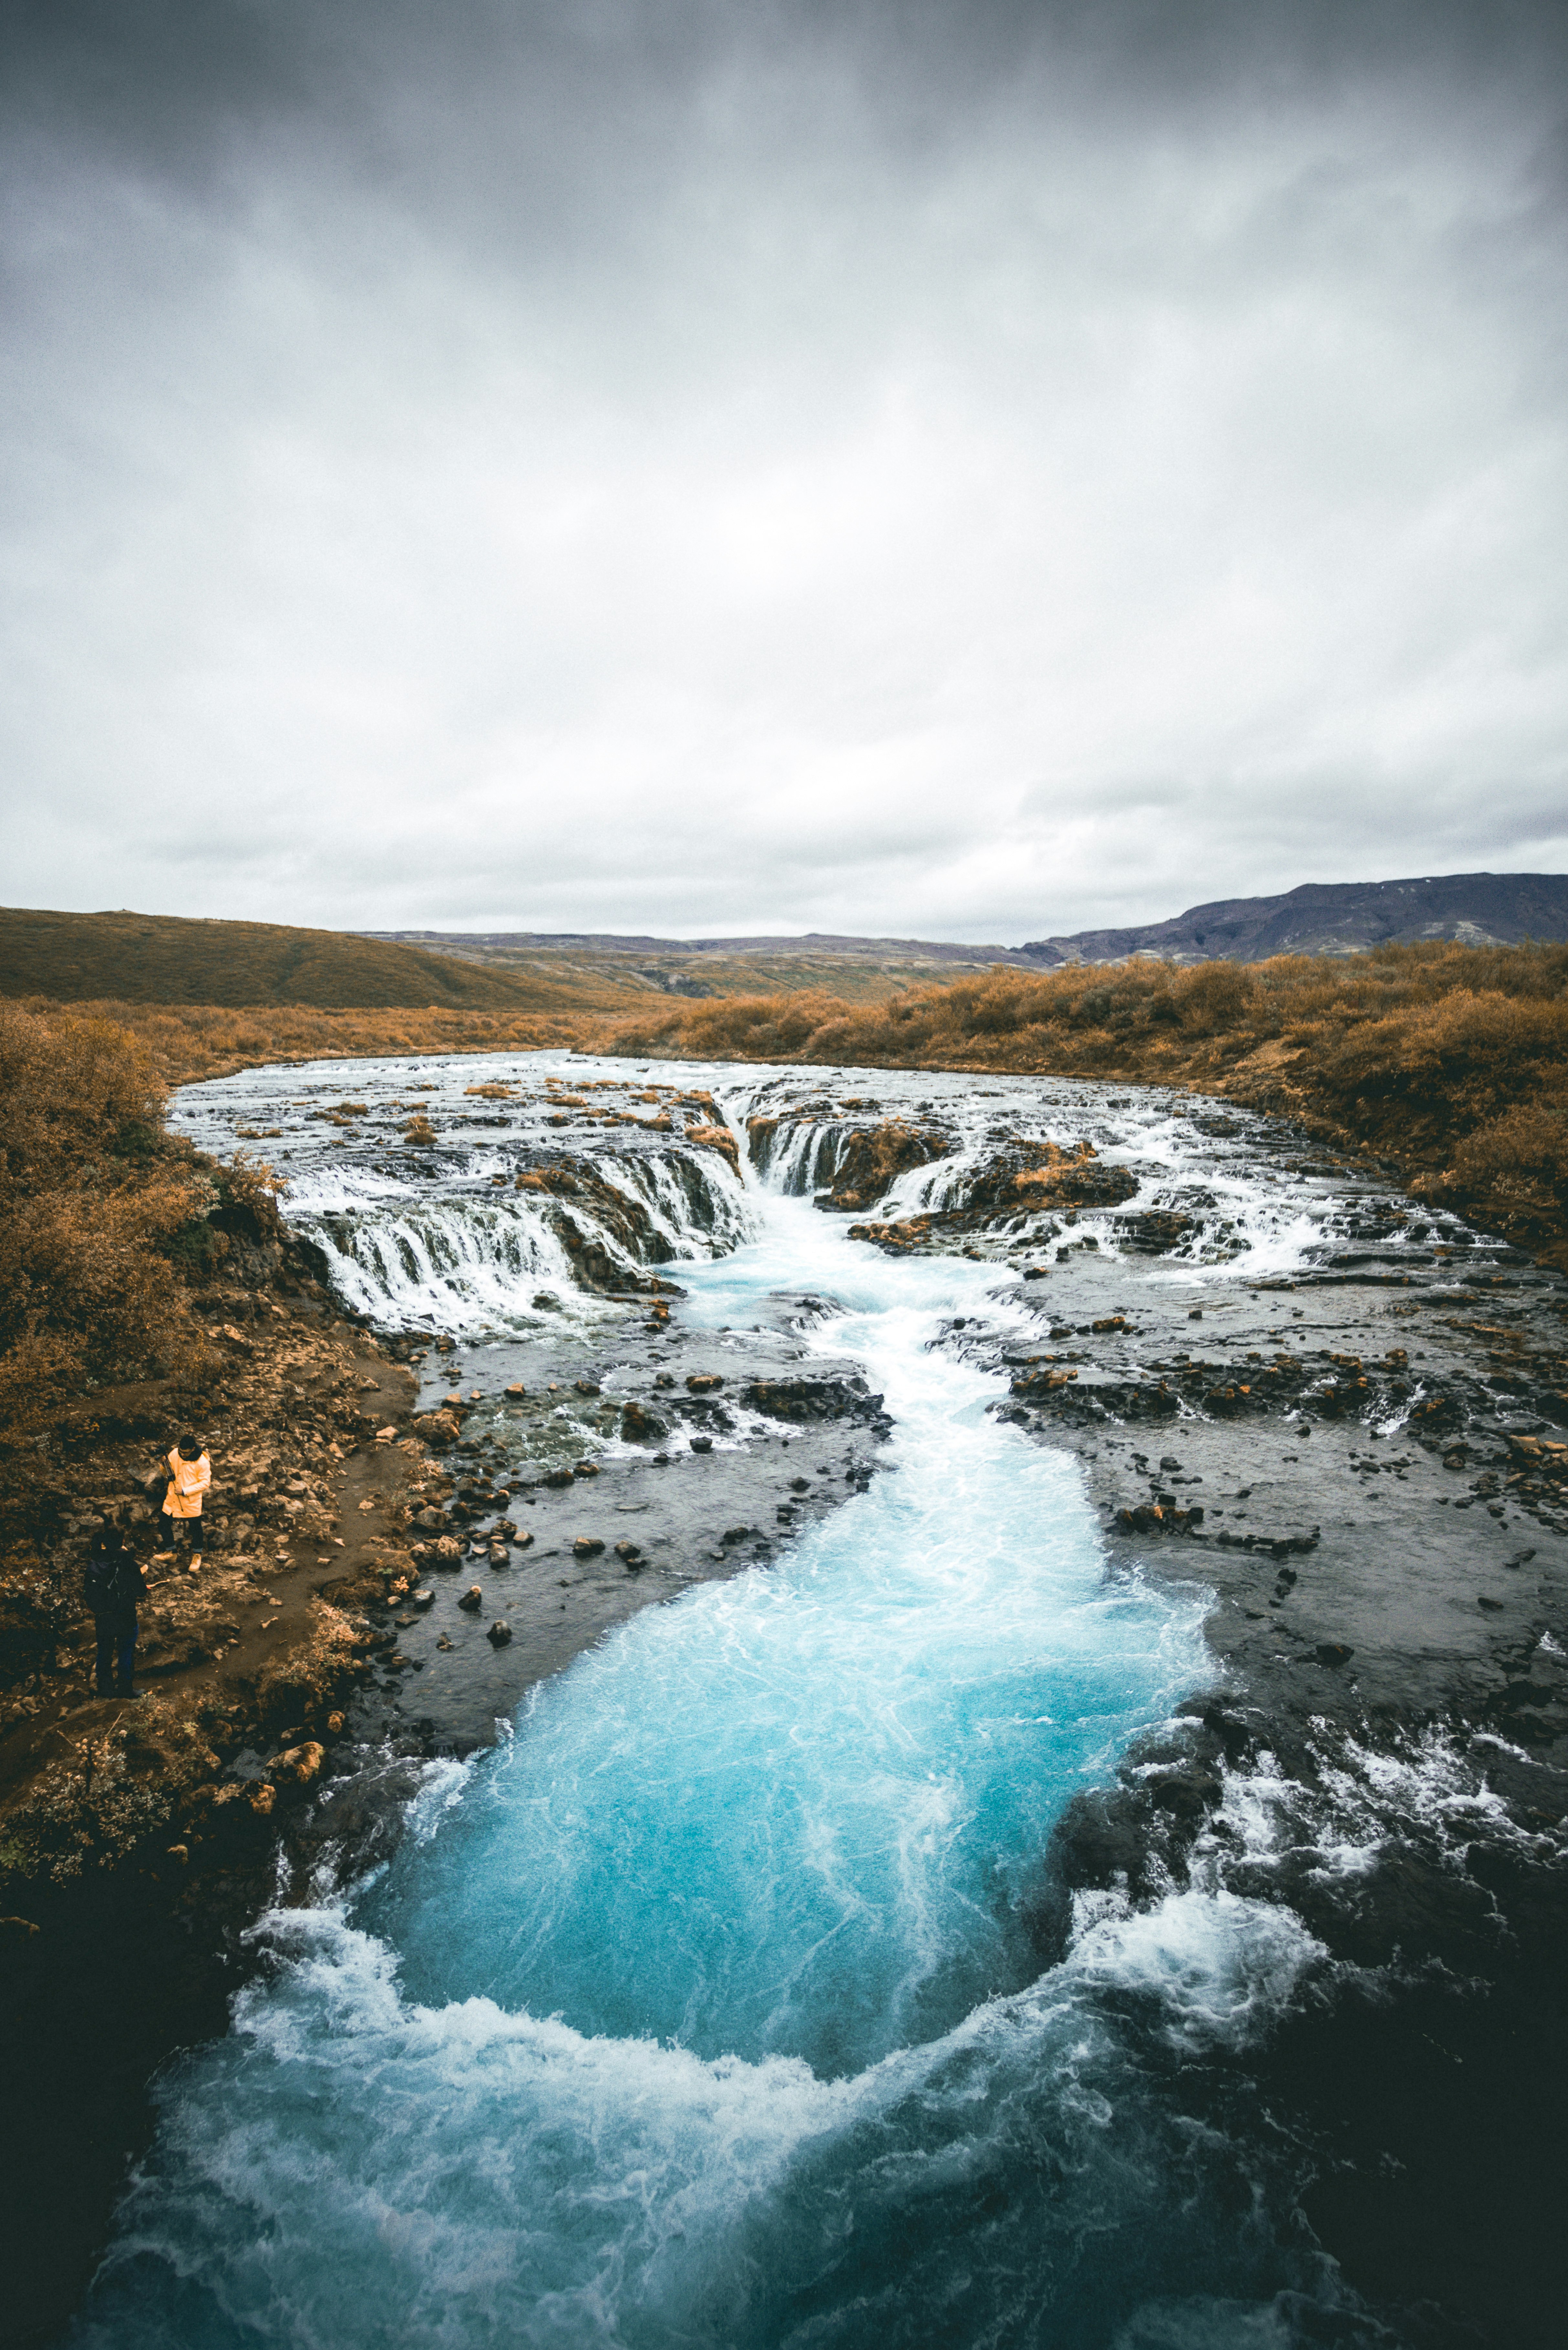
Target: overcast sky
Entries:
(954, 468)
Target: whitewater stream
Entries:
(713, 2005)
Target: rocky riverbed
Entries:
(1341, 1416)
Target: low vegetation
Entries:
(97, 1204)
(185, 1042)
(1451, 1060)
(156, 959)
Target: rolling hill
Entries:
(131, 958)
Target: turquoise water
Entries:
(710, 2008)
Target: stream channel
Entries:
(710, 2003)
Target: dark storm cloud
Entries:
(970, 468)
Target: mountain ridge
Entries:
(1314, 917)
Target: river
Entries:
(714, 2004)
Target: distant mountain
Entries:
(1336, 917)
(503, 946)
(1319, 918)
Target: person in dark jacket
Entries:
(115, 1586)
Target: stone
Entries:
(705, 1382)
(701, 1444)
(517, 1389)
(499, 1633)
(630, 1552)
(558, 1477)
(640, 1427)
(585, 1468)
(587, 1547)
(473, 1599)
(589, 1388)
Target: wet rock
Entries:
(421, 1598)
(813, 1400)
(701, 1444)
(629, 1553)
(585, 1468)
(587, 1547)
(869, 1160)
(1155, 1233)
(446, 1552)
(640, 1426)
(1189, 1792)
(705, 1382)
(473, 1599)
(1158, 1518)
(499, 1633)
(557, 1477)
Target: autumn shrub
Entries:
(1515, 1162)
(92, 1193)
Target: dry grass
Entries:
(184, 1042)
(92, 1196)
(1451, 1059)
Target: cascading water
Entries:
(709, 2008)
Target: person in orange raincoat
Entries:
(190, 1475)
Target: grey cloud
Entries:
(978, 468)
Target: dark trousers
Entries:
(183, 1533)
(115, 1659)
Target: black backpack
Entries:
(112, 1577)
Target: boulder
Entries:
(499, 1633)
(473, 1599)
(439, 1428)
